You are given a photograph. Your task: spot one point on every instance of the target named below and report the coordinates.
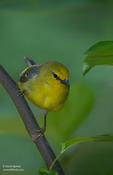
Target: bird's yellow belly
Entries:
(47, 98)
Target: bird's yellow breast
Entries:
(46, 96)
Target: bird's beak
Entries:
(66, 82)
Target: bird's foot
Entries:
(20, 93)
(38, 133)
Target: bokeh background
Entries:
(59, 30)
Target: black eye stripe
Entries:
(56, 76)
(65, 82)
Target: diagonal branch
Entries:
(29, 120)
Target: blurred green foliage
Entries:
(71, 116)
(62, 31)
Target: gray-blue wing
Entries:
(29, 73)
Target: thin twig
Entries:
(29, 120)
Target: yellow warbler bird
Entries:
(45, 85)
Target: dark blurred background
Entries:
(63, 31)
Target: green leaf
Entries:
(75, 141)
(100, 53)
(44, 171)
(78, 140)
(102, 48)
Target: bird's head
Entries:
(56, 73)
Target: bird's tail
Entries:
(29, 61)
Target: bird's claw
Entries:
(20, 93)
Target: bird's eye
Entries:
(55, 76)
